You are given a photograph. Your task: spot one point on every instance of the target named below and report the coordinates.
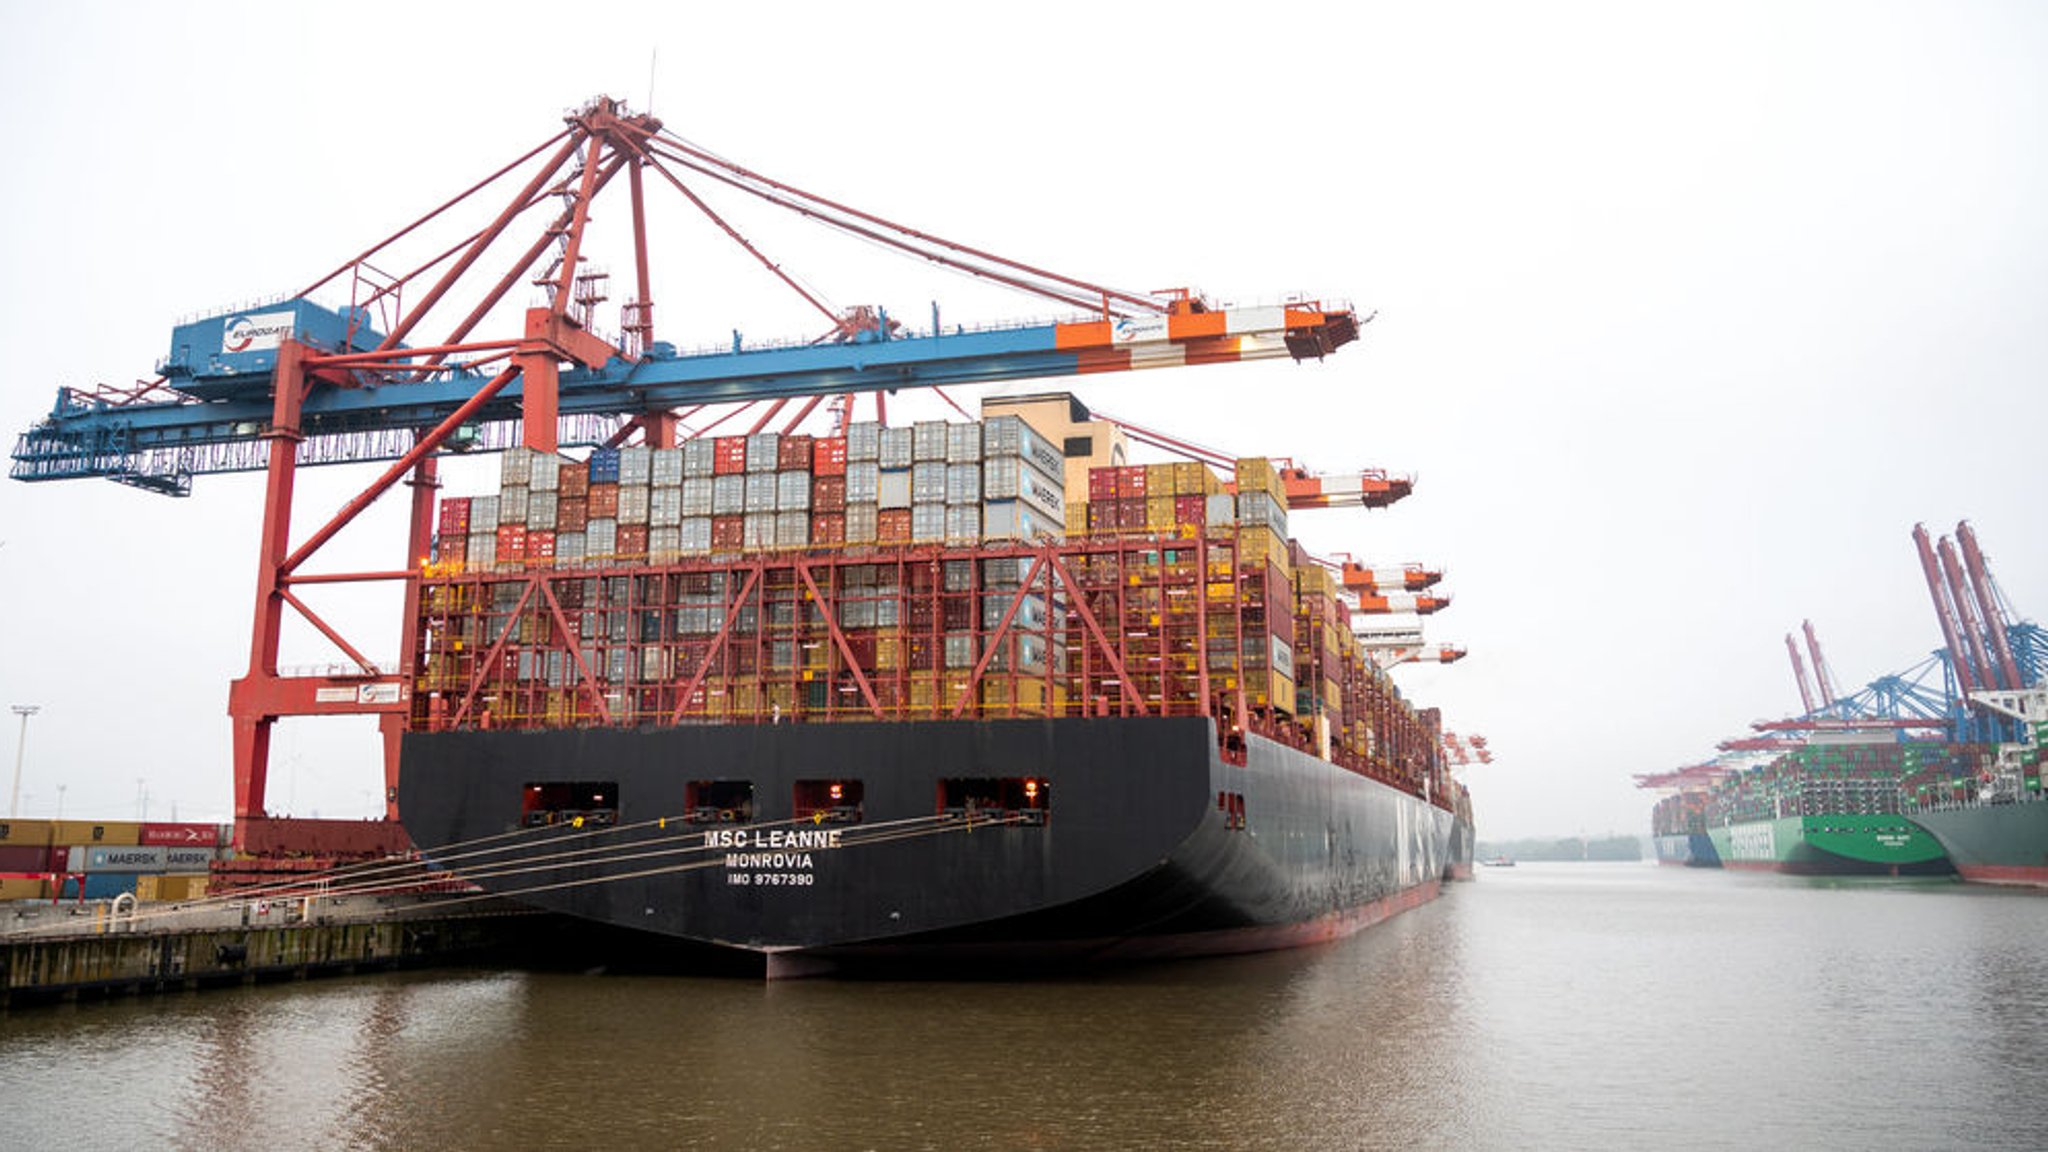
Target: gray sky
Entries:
(1687, 313)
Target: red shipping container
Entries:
(24, 858)
(575, 481)
(728, 532)
(181, 835)
(728, 455)
(632, 540)
(540, 549)
(892, 526)
(455, 516)
(511, 542)
(572, 516)
(1191, 510)
(828, 494)
(1105, 518)
(1101, 484)
(451, 549)
(1130, 482)
(603, 503)
(828, 456)
(793, 454)
(828, 530)
(1131, 512)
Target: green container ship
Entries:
(1832, 844)
(1833, 807)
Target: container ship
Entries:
(1994, 823)
(892, 695)
(1832, 807)
(1678, 825)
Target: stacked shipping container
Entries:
(899, 573)
(151, 860)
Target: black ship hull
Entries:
(1058, 839)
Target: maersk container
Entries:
(1011, 437)
(1017, 520)
(187, 859)
(121, 858)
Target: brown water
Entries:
(1558, 1006)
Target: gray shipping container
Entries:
(928, 482)
(1011, 478)
(697, 492)
(758, 531)
(1016, 520)
(728, 495)
(860, 523)
(963, 443)
(544, 472)
(963, 483)
(483, 550)
(863, 481)
(541, 510)
(664, 542)
(601, 538)
(634, 504)
(928, 441)
(636, 465)
(761, 492)
(512, 503)
(665, 507)
(666, 471)
(927, 523)
(792, 492)
(570, 549)
(697, 458)
(963, 523)
(1221, 508)
(187, 859)
(483, 514)
(117, 858)
(763, 448)
(515, 467)
(696, 535)
(897, 448)
(892, 488)
(864, 441)
(792, 529)
(1010, 436)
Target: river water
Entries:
(1566, 1006)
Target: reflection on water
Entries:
(1564, 1006)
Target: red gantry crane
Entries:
(428, 357)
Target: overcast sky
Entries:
(1686, 313)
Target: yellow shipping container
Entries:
(1193, 478)
(1158, 513)
(178, 886)
(24, 889)
(1268, 689)
(96, 832)
(1077, 518)
(26, 833)
(1159, 480)
(1257, 474)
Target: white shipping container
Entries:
(963, 443)
(515, 467)
(544, 472)
(665, 507)
(1221, 510)
(860, 523)
(569, 549)
(864, 441)
(792, 491)
(763, 450)
(664, 542)
(963, 523)
(601, 538)
(927, 523)
(696, 535)
(512, 503)
(928, 441)
(697, 492)
(863, 481)
(892, 489)
(1011, 478)
(963, 483)
(697, 458)
(792, 529)
(634, 504)
(897, 448)
(960, 649)
(666, 471)
(1010, 436)
(928, 482)
(1030, 610)
(542, 510)
(761, 492)
(483, 514)
(483, 550)
(1016, 520)
(187, 859)
(758, 531)
(636, 465)
(728, 495)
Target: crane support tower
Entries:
(433, 360)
